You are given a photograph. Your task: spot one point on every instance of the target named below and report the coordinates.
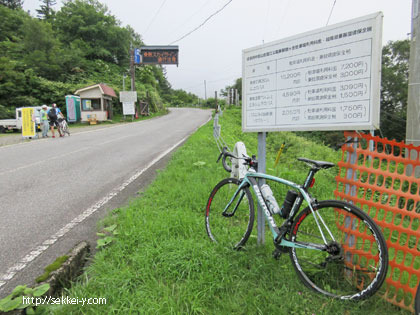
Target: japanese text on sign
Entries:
(159, 55)
(327, 79)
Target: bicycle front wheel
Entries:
(353, 264)
(230, 225)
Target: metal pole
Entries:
(351, 173)
(132, 70)
(205, 90)
(412, 135)
(261, 169)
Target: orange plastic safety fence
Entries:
(382, 177)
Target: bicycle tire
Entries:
(357, 262)
(231, 230)
(417, 301)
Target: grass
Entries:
(162, 261)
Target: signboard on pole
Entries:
(128, 96)
(159, 55)
(326, 79)
(28, 122)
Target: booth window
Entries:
(91, 104)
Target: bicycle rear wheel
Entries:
(355, 262)
(233, 226)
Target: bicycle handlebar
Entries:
(225, 153)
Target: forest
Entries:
(46, 57)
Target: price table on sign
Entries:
(327, 79)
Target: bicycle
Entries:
(64, 127)
(335, 248)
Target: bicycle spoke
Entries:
(353, 262)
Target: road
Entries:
(53, 191)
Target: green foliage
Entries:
(12, 4)
(162, 262)
(52, 267)
(46, 11)
(237, 85)
(394, 92)
(15, 300)
(211, 103)
(42, 60)
(90, 22)
(182, 98)
(107, 236)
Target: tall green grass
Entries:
(162, 261)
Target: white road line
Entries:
(11, 272)
(62, 155)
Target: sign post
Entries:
(128, 98)
(326, 79)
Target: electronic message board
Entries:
(159, 55)
(326, 79)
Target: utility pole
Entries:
(412, 135)
(205, 90)
(132, 69)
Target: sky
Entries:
(213, 53)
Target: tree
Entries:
(236, 86)
(89, 21)
(394, 89)
(12, 4)
(43, 49)
(46, 11)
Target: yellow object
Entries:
(92, 119)
(28, 122)
(279, 154)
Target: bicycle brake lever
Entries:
(220, 156)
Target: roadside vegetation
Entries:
(49, 54)
(162, 262)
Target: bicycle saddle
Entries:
(317, 164)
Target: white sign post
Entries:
(326, 79)
(128, 98)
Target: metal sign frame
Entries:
(158, 55)
(326, 79)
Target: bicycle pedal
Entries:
(276, 254)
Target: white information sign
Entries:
(128, 108)
(327, 79)
(128, 96)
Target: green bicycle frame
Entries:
(250, 179)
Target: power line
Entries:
(156, 14)
(283, 16)
(328, 21)
(267, 18)
(205, 21)
(194, 14)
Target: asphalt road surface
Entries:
(53, 191)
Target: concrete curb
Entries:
(69, 270)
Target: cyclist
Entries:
(53, 114)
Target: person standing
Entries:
(53, 113)
(44, 121)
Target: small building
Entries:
(96, 102)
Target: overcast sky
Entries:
(214, 52)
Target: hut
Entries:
(96, 102)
